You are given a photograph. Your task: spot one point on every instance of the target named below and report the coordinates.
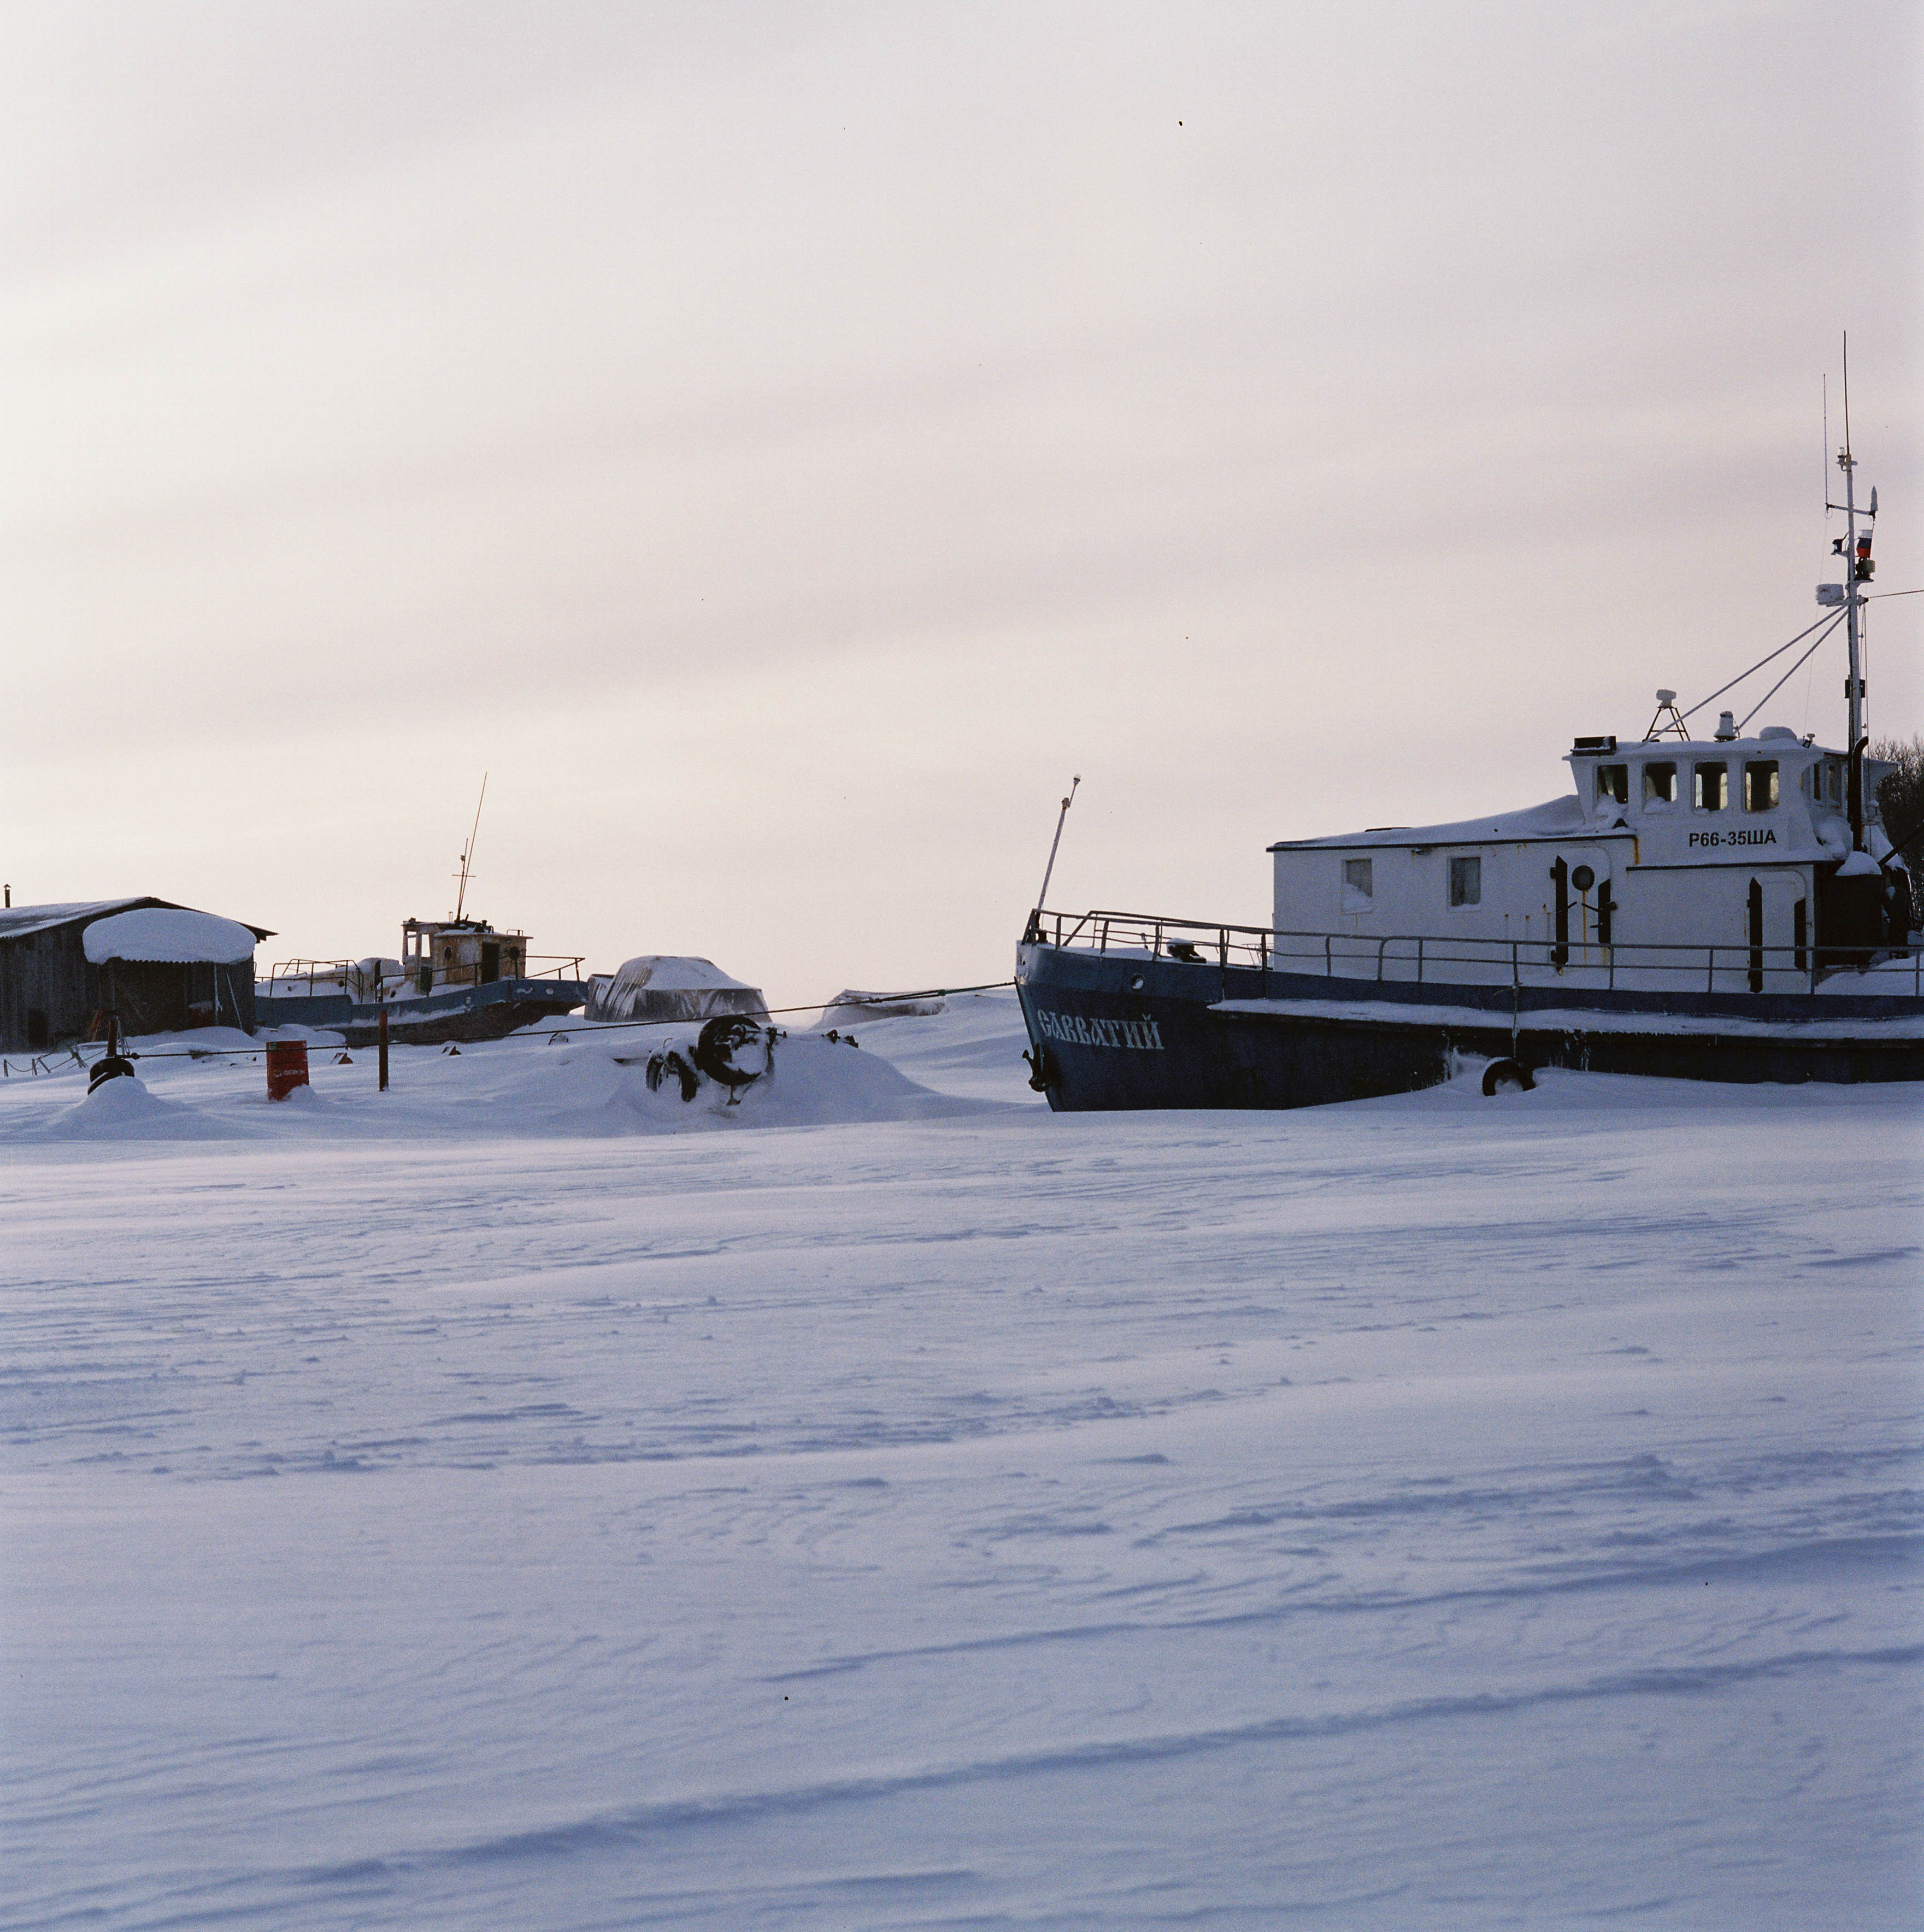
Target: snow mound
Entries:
(1898, 975)
(849, 1006)
(123, 1109)
(168, 935)
(204, 1040)
(599, 1083)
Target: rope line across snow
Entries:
(598, 1026)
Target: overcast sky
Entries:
(781, 444)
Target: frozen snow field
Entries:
(486, 1505)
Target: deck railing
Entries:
(1427, 959)
(297, 978)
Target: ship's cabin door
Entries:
(1582, 908)
(1778, 930)
(490, 965)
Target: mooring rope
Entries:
(257, 1049)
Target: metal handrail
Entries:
(1269, 948)
(566, 966)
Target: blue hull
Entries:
(465, 1013)
(1120, 1032)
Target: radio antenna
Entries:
(1042, 898)
(468, 851)
(1846, 392)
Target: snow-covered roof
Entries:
(1556, 818)
(171, 935)
(1773, 741)
(16, 922)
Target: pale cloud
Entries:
(781, 443)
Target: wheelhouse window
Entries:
(1660, 782)
(1710, 790)
(1466, 882)
(1358, 884)
(1612, 784)
(1760, 785)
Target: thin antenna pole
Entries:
(468, 851)
(1853, 598)
(1042, 898)
(1846, 392)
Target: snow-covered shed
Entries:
(160, 966)
(659, 987)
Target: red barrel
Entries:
(286, 1067)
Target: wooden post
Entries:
(384, 1049)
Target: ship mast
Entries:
(468, 849)
(1857, 569)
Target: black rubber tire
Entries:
(112, 1066)
(1507, 1076)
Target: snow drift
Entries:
(123, 1109)
(599, 1083)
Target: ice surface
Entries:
(1433, 1512)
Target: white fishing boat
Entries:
(1729, 906)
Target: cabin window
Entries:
(1760, 785)
(1466, 882)
(1612, 784)
(1660, 783)
(1358, 884)
(447, 955)
(1711, 791)
(1833, 774)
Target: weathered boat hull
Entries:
(1120, 1032)
(464, 1014)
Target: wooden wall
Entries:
(49, 991)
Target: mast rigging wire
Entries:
(1786, 678)
(1831, 621)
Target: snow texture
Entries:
(1556, 818)
(16, 921)
(469, 1506)
(168, 934)
(850, 1007)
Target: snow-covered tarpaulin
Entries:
(658, 986)
(170, 935)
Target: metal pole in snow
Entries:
(1042, 898)
(383, 1041)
